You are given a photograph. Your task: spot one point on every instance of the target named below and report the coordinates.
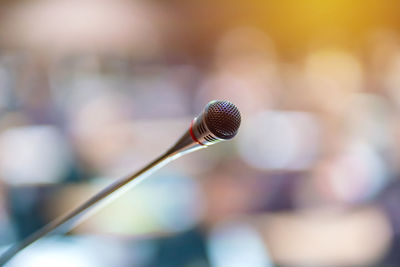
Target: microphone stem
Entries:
(65, 223)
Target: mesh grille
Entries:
(222, 118)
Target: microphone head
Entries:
(222, 119)
(219, 121)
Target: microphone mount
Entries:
(219, 121)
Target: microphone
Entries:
(219, 121)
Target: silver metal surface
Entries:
(65, 223)
(198, 136)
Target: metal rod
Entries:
(65, 223)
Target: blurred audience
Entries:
(92, 90)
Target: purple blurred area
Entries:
(91, 90)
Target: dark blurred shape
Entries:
(182, 250)
(390, 200)
(26, 209)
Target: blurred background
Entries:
(92, 90)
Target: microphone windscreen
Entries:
(222, 119)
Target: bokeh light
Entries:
(91, 91)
